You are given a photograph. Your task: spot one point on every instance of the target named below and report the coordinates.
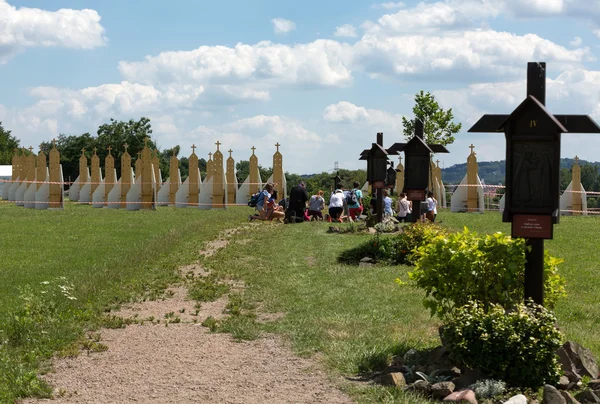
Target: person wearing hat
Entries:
(336, 205)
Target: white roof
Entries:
(5, 171)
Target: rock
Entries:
(411, 357)
(563, 383)
(518, 399)
(420, 387)
(371, 230)
(468, 377)
(467, 396)
(569, 398)
(451, 373)
(587, 396)
(573, 378)
(333, 229)
(552, 396)
(442, 389)
(393, 379)
(594, 384)
(577, 359)
(366, 259)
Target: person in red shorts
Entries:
(354, 198)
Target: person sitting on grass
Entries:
(261, 204)
(354, 198)
(336, 206)
(274, 210)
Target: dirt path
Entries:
(184, 363)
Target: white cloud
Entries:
(392, 5)
(29, 27)
(322, 62)
(283, 26)
(346, 30)
(575, 42)
(345, 112)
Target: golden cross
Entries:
(109, 148)
(230, 151)
(438, 163)
(30, 149)
(94, 150)
(125, 146)
(83, 151)
(576, 160)
(193, 149)
(146, 139)
(218, 144)
(277, 145)
(54, 142)
(400, 159)
(253, 148)
(471, 147)
(139, 154)
(209, 155)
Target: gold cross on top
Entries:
(471, 147)
(576, 160)
(253, 148)
(54, 142)
(218, 144)
(109, 148)
(83, 151)
(125, 146)
(277, 145)
(94, 150)
(230, 151)
(193, 149)
(209, 155)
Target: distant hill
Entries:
(492, 172)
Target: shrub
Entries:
(454, 269)
(414, 236)
(517, 346)
(488, 388)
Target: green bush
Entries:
(454, 269)
(517, 346)
(414, 236)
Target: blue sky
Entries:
(321, 78)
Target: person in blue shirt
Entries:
(355, 208)
(387, 204)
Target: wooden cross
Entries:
(230, 151)
(94, 150)
(437, 162)
(109, 148)
(400, 159)
(193, 149)
(54, 143)
(218, 144)
(30, 149)
(471, 147)
(277, 145)
(209, 155)
(83, 151)
(125, 146)
(253, 148)
(576, 160)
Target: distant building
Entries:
(5, 174)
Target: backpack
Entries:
(351, 197)
(254, 200)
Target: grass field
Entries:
(354, 318)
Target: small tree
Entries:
(438, 125)
(7, 145)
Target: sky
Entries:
(319, 77)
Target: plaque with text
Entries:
(532, 226)
(379, 184)
(415, 194)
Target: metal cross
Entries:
(277, 145)
(230, 151)
(218, 144)
(471, 147)
(209, 155)
(193, 149)
(253, 148)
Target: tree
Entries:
(438, 125)
(8, 143)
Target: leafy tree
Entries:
(8, 143)
(438, 125)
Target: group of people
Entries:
(299, 207)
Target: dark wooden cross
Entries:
(417, 166)
(253, 148)
(230, 151)
(277, 145)
(532, 170)
(193, 149)
(218, 144)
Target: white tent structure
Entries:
(5, 175)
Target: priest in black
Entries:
(297, 204)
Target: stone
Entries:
(395, 379)
(594, 384)
(468, 377)
(466, 396)
(451, 373)
(367, 259)
(371, 230)
(587, 396)
(421, 387)
(569, 398)
(573, 378)
(411, 357)
(518, 399)
(577, 359)
(552, 396)
(564, 383)
(442, 389)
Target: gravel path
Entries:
(184, 363)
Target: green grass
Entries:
(109, 256)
